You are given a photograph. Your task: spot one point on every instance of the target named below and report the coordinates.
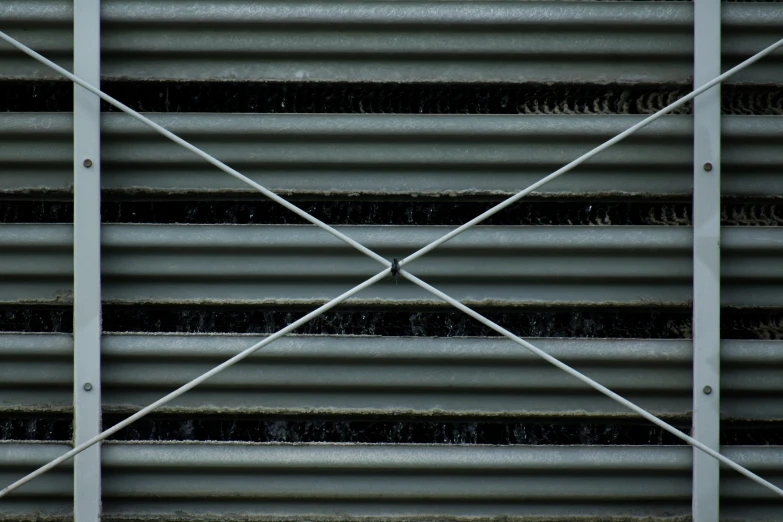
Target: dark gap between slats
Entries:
(555, 431)
(38, 427)
(385, 98)
(394, 431)
(36, 318)
(587, 322)
(404, 321)
(384, 430)
(449, 211)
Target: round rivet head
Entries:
(708, 167)
(88, 163)
(87, 386)
(707, 390)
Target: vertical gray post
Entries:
(87, 260)
(706, 259)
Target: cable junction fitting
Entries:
(395, 267)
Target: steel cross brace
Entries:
(388, 269)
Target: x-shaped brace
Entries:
(395, 267)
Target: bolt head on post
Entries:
(87, 386)
(88, 163)
(707, 390)
(708, 167)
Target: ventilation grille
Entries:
(396, 122)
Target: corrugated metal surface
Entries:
(238, 481)
(353, 374)
(52, 495)
(498, 41)
(396, 41)
(374, 154)
(646, 265)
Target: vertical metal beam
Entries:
(706, 259)
(87, 260)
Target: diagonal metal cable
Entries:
(358, 246)
(195, 150)
(225, 168)
(382, 274)
(590, 382)
(586, 156)
(195, 382)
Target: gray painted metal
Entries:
(330, 374)
(87, 261)
(488, 41)
(322, 480)
(286, 264)
(353, 154)
(499, 41)
(706, 259)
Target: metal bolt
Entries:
(87, 386)
(708, 167)
(88, 163)
(707, 390)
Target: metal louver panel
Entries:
(354, 374)
(219, 480)
(173, 271)
(298, 263)
(388, 154)
(409, 41)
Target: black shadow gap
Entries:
(451, 211)
(36, 427)
(36, 318)
(663, 323)
(392, 431)
(585, 322)
(385, 98)
(385, 430)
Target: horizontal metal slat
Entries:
(49, 495)
(44, 25)
(388, 375)
(287, 264)
(515, 481)
(381, 481)
(575, 42)
(391, 154)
